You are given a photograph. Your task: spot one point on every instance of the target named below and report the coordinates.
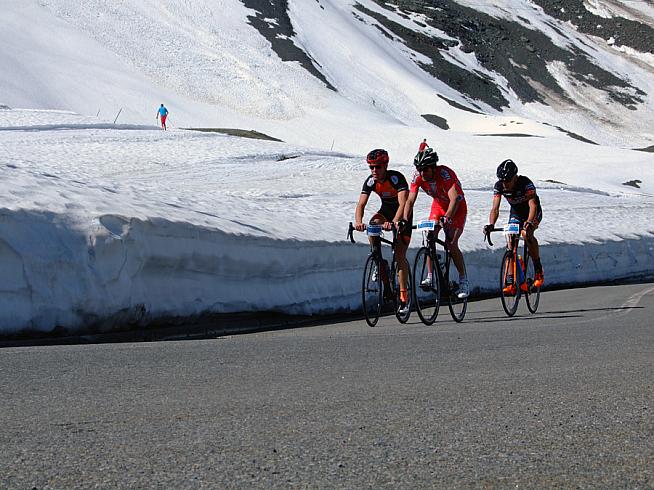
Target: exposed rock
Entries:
(436, 120)
(243, 133)
(633, 183)
(280, 34)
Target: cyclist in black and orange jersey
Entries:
(520, 192)
(392, 188)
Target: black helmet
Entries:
(507, 170)
(426, 158)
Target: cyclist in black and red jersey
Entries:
(520, 192)
(391, 186)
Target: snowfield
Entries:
(127, 225)
(105, 224)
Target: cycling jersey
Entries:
(387, 190)
(438, 190)
(519, 197)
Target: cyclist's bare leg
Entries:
(430, 269)
(402, 264)
(455, 251)
(532, 244)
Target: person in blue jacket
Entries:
(162, 113)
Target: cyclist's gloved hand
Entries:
(488, 228)
(528, 225)
(401, 225)
(359, 226)
(387, 225)
(445, 221)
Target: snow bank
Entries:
(133, 271)
(107, 227)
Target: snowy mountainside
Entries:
(300, 69)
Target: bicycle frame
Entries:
(523, 283)
(389, 285)
(446, 288)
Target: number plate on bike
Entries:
(512, 229)
(374, 230)
(426, 225)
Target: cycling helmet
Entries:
(507, 170)
(426, 158)
(376, 157)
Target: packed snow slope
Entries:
(107, 220)
(340, 72)
(107, 227)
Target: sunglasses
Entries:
(373, 167)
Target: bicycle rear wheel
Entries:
(371, 290)
(533, 296)
(458, 306)
(402, 318)
(428, 296)
(509, 300)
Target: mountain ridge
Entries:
(278, 66)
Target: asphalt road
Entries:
(563, 398)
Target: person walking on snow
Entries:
(423, 145)
(162, 113)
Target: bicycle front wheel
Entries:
(532, 297)
(426, 289)
(509, 290)
(458, 306)
(371, 291)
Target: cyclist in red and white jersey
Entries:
(448, 206)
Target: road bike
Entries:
(380, 284)
(517, 271)
(435, 278)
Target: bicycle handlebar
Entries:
(437, 228)
(487, 237)
(351, 229)
(350, 236)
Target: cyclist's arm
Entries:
(401, 199)
(455, 197)
(408, 205)
(358, 213)
(533, 209)
(495, 209)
